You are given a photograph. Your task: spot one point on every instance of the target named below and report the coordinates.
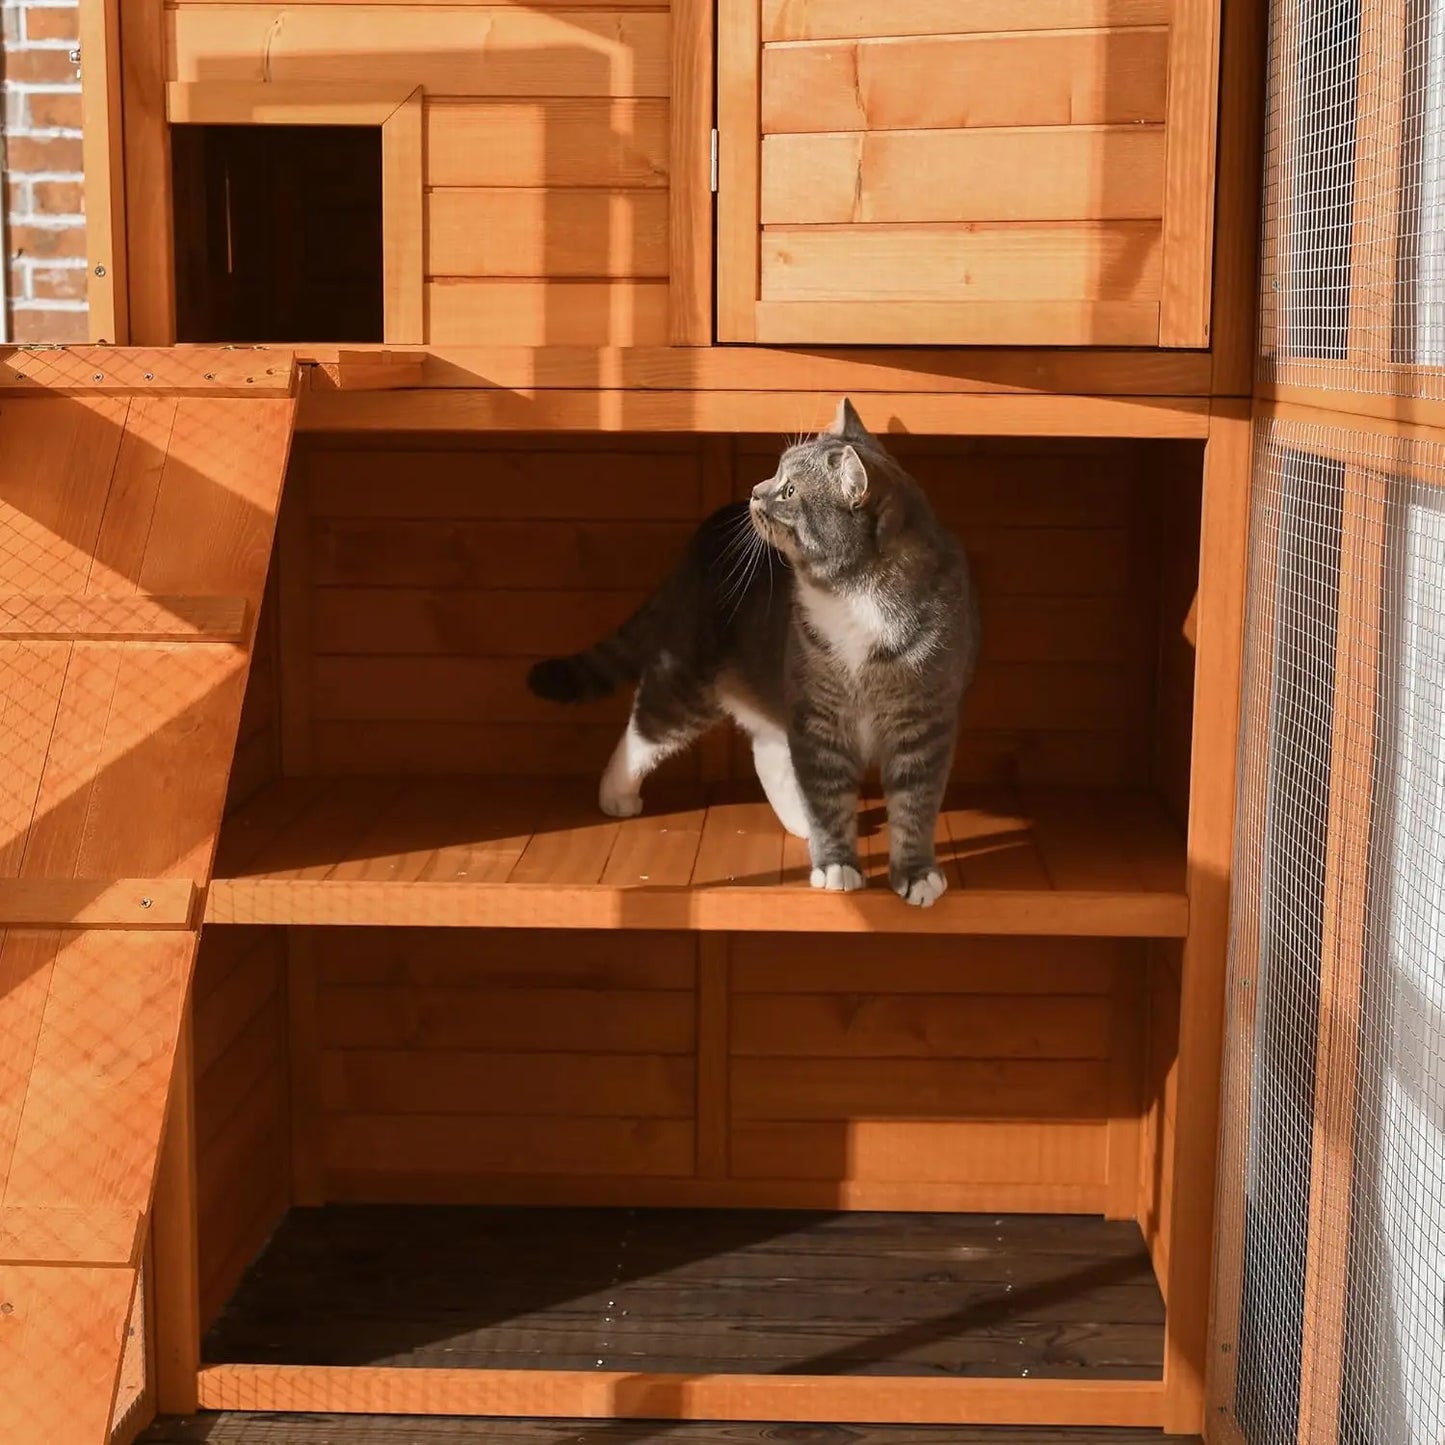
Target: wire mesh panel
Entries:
(1354, 197)
(1330, 1279)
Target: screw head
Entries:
(100, 270)
(99, 376)
(210, 376)
(150, 376)
(147, 902)
(6, 1308)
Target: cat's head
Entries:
(821, 508)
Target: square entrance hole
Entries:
(278, 233)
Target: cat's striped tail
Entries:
(602, 668)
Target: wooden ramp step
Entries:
(129, 523)
(505, 853)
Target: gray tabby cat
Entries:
(834, 619)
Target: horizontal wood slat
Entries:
(1077, 261)
(49, 1234)
(962, 323)
(548, 313)
(1073, 173)
(244, 102)
(832, 19)
(91, 903)
(553, 232)
(603, 1395)
(1034, 78)
(133, 618)
(169, 372)
(551, 142)
(446, 50)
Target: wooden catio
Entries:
(336, 1014)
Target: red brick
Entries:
(35, 324)
(58, 283)
(39, 153)
(39, 67)
(45, 243)
(58, 198)
(52, 23)
(15, 201)
(52, 110)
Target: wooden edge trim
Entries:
(1189, 170)
(47, 371)
(102, 142)
(743, 909)
(42, 1234)
(403, 213)
(617, 1396)
(925, 413)
(124, 619)
(690, 194)
(739, 79)
(243, 102)
(149, 238)
(91, 903)
(370, 371)
(1223, 559)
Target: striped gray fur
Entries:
(832, 617)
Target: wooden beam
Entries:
(48, 371)
(403, 223)
(929, 413)
(47, 1234)
(713, 1055)
(1210, 848)
(149, 903)
(124, 619)
(690, 206)
(149, 229)
(605, 1395)
(1342, 962)
(102, 139)
(252, 102)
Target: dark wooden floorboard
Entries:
(699, 1291)
(238, 1429)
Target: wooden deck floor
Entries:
(699, 1292)
(480, 852)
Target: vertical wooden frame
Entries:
(303, 1049)
(294, 653)
(714, 951)
(689, 198)
(403, 222)
(1342, 964)
(102, 141)
(1190, 123)
(1127, 1027)
(739, 70)
(1210, 850)
(149, 239)
(175, 1255)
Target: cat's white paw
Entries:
(837, 878)
(922, 890)
(619, 805)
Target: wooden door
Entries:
(954, 172)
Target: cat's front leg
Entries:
(915, 768)
(827, 764)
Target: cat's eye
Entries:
(788, 491)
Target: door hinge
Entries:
(712, 170)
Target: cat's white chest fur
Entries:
(852, 624)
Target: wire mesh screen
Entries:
(1354, 197)
(1330, 1288)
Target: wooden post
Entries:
(149, 238)
(714, 987)
(174, 1254)
(1218, 654)
(1342, 961)
(102, 139)
(690, 239)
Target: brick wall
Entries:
(44, 202)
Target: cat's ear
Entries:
(853, 476)
(847, 423)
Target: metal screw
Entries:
(250, 381)
(210, 376)
(100, 270)
(150, 376)
(6, 1308)
(99, 376)
(146, 902)
(74, 56)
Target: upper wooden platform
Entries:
(485, 852)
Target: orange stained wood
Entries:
(135, 531)
(480, 852)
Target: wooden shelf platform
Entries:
(482, 852)
(709, 1314)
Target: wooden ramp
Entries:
(138, 496)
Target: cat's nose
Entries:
(760, 492)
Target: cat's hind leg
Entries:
(774, 764)
(665, 719)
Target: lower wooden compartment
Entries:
(694, 1314)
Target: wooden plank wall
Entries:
(438, 575)
(546, 148)
(258, 745)
(243, 1181)
(1040, 131)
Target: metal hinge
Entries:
(712, 172)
